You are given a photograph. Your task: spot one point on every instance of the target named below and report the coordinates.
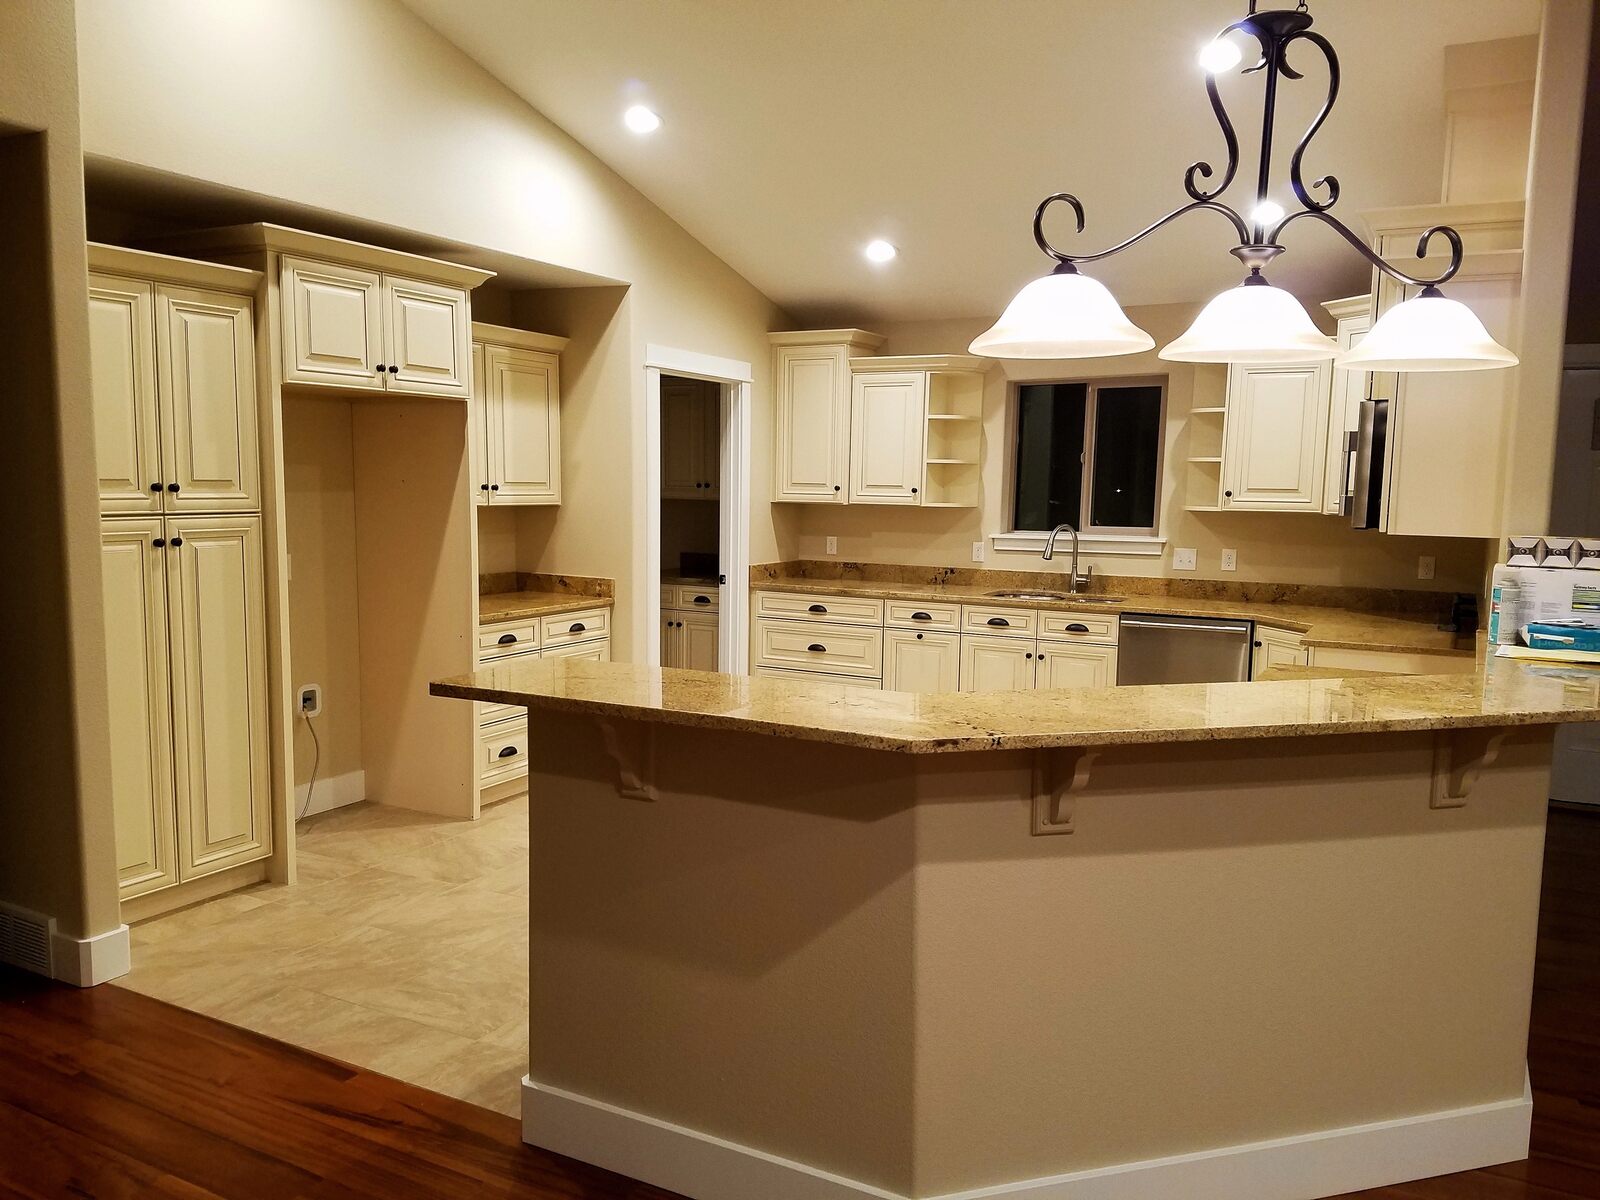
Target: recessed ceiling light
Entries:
(641, 119)
(879, 251)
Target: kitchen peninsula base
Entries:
(1254, 967)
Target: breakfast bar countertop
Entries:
(1503, 693)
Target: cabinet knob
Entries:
(160, 542)
(172, 487)
(494, 487)
(817, 648)
(836, 487)
(155, 487)
(919, 637)
(1257, 645)
(484, 487)
(381, 368)
(393, 370)
(999, 621)
(1227, 494)
(177, 541)
(1028, 656)
(913, 491)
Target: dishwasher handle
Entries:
(1240, 627)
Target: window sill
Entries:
(1124, 545)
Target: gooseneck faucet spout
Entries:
(1078, 582)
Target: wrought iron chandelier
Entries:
(1067, 314)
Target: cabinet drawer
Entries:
(818, 646)
(669, 596)
(849, 610)
(575, 627)
(910, 614)
(999, 620)
(597, 650)
(818, 677)
(502, 751)
(489, 714)
(696, 599)
(1078, 627)
(508, 637)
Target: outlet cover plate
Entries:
(1230, 560)
(310, 697)
(977, 551)
(1425, 566)
(1183, 558)
(833, 545)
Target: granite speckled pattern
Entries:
(517, 595)
(1331, 627)
(1504, 693)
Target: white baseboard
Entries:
(1327, 1163)
(336, 791)
(85, 962)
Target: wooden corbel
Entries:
(635, 759)
(1058, 775)
(1459, 756)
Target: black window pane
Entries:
(1050, 420)
(1127, 449)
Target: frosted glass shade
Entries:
(1252, 323)
(1428, 333)
(1063, 315)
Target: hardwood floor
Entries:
(106, 1093)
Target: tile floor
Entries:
(403, 949)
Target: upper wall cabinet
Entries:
(811, 412)
(356, 317)
(691, 439)
(888, 415)
(516, 413)
(1277, 429)
(1349, 389)
(173, 381)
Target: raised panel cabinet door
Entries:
(206, 374)
(332, 324)
(122, 382)
(700, 649)
(1349, 389)
(711, 440)
(1277, 431)
(524, 415)
(134, 589)
(428, 342)
(996, 664)
(888, 415)
(478, 435)
(217, 627)
(671, 640)
(921, 662)
(812, 422)
(1076, 666)
(682, 440)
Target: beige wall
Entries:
(56, 838)
(1284, 547)
(425, 140)
(324, 633)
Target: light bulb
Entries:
(1268, 212)
(1218, 56)
(879, 251)
(641, 119)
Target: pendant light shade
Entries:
(1252, 323)
(1063, 315)
(1429, 332)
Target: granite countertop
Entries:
(1504, 692)
(514, 606)
(1320, 626)
(673, 578)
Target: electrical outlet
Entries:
(1425, 566)
(977, 551)
(1183, 559)
(1230, 560)
(310, 699)
(833, 545)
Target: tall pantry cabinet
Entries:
(177, 438)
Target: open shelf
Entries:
(1206, 458)
(950, 417)
(1210, 408)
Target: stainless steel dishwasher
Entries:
(1157, 649)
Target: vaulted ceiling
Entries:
(797, 130)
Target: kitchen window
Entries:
(1088, 453)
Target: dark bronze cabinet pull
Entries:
(1077, 627)
(702, 599)
(999, 621)
(921, 616)
(507, 752)
(576, 627)
(817, 648)
(818, 608)
(507, 638)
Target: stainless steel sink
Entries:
(1056, 596)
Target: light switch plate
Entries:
(833, 545)
(1230, 560)
(977, 551)
(1425, 566)
(1183, 559)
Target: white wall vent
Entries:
(25, 939)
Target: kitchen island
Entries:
(794, 939)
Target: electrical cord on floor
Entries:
(316, 761)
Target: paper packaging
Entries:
(1587, 554)
(1505, 606)
(1560, 552)
(1524, 551)
(1561, 594)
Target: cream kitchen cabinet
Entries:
(1075, 665)
(811, 412)
(921, 662)
(350, 326)
(691, 439)
(1274, 450)
(186, 624)
(689, 639)
(1276, 648)
(516, 410)
(173, 383)
(997, 664)
(1349, 389)
(888, 419)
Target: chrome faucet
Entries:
(1078, 582)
